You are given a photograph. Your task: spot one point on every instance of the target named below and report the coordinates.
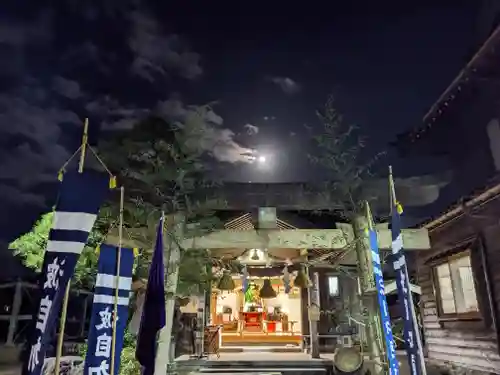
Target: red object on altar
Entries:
(253, 320)
(271, 327)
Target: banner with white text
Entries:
(99, 344)
(382, 301)
(79, 200)
(404, 293)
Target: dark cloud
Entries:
(19, 34)
(66, 87)
(31, 132)
(157, 54)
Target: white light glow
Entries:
(262, 159)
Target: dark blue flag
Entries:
(153, 313)
(80, 197)
(99, 345)
(404, 291)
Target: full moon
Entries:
(262, 159)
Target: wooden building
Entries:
(459, 277)
(460, 285)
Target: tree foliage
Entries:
(341, 154)
(161, 164)
(30, 247)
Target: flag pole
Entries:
(423, 370)
(62, 323)
(117, 281)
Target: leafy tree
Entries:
(162, 166)
(342, 155)
(30, 247)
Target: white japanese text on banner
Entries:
(79, 200)
(98, 359)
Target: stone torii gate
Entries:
(268, 236)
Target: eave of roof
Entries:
(451, 92)
(457, 210)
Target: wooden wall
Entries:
(468, 344)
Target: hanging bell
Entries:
(226, 282)
(302, 280)
(255, 255)
(267, 291)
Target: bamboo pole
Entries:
(62, 324)
(64, 312)
(83, 149)
(117, 282)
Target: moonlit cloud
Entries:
(251, 129)
(157, 54)
(413, 191)
(287, 85)
(211, 136)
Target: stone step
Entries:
(258, 370)
(270, 349)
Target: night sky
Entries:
(268, 67)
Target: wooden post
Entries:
(164, 358)
(14, 314)
(368, 293)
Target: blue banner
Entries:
(404, 292)
(382, 301)
(80, 197)
(99, 344)
(153, 313)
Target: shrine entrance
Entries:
(246, 319)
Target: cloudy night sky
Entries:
(267, 67)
